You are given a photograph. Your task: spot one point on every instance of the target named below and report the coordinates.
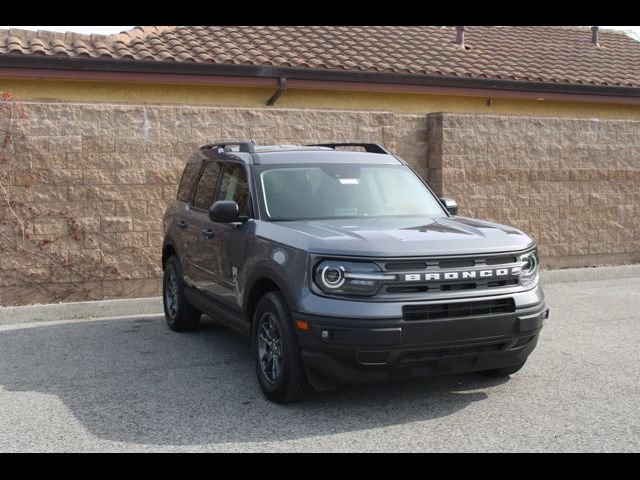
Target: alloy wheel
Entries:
(171, 294)
(269, 347)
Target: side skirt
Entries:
(230, 319)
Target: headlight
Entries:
(349, 278)
(331, 276)
(530, 267)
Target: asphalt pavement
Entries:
(131, 384)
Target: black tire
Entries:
(184, 317)
(290, 385)
(503, 372)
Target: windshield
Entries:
(300, 192)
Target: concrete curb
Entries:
(589, 274)
(153, 305)
(81, 310)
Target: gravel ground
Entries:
(130, 384)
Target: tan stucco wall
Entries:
(99, 91)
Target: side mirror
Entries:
(450, 204)
(224, 211)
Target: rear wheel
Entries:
(278, 363)
(502, 372)
(181, 316)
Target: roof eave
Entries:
(345, 77)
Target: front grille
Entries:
(413, 282)
(434, 311)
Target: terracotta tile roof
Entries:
(539, 54)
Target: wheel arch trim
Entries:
(258, 274)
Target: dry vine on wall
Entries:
(38, 264)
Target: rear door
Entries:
(179, 215)
(204, 246)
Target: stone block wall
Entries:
(573, 184)
(83, 187)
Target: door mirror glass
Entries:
(450, 204)
(224, 211)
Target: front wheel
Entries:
(279, 368)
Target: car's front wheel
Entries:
(181, 316)
(279, 368)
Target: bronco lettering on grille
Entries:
(462, 274)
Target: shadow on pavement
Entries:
(133, 380)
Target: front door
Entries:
(231, 238)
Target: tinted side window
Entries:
(188, 178)
(235, 187)
(206, 185)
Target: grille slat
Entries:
(408, 289)
(457, 263)
(434, 311)
(500, 260)
(399, 266)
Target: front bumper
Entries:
(348, 350)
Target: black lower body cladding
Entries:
(336, 350)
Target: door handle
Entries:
(208, 233)
(182, 224)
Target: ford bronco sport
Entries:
(343, 266)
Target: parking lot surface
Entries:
(130, 384)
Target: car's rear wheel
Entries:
(502, 372)
(279, 367)
(181, 316)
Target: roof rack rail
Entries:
(243, 145)
(368, 147)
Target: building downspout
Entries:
(281, 89)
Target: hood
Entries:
(396, 237)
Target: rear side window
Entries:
(234, 187)
(188, 179)
(206, 185)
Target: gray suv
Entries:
(341, 265)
